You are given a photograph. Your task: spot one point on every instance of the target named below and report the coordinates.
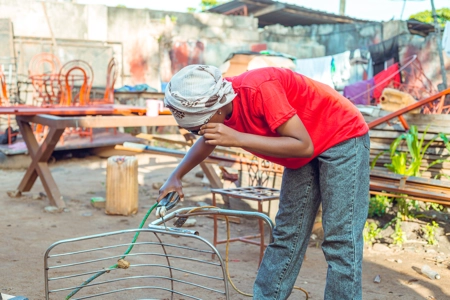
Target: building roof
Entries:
(419, 28)
(271, 12)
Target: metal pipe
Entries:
(342, 7)
(174, 229)
(156, 231)
(439, 44)
(184, 212)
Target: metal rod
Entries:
(156, 232)
(183, 212)
(439, 44)
(137, 277)
(131, 255)
(138, 287)
(136, 266)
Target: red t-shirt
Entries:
(268, 97)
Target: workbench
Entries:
(41, 153)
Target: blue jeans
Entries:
(339, 178)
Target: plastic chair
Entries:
(75, 79)
(70, 75)
(43, 71)
(9, 135)
(111, 77)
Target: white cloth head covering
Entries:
(195, 93)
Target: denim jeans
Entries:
(339, 178)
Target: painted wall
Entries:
(328, 39)
(151, 45)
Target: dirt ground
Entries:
(27, 230)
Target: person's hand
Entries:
(172, 184)
(219, 134)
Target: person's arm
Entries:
(196, 154)
(294, 139)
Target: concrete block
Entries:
(214, 33)
(215, 53)
(369, 31)
(325, 29)
(242, 35)
(189, 31)
(97, 22)
(216, 20)
(393, 28)
(301, 30)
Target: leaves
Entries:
(399, 236)
(371, 233)
(426, 16)
(409, 163)
(430, 233)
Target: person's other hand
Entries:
(219, 134)
(172, 184)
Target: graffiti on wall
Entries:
(184, 53)
(138, 63)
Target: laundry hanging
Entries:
(318, 69)
(360, 92)
(341, 72)
(389, 77)
(446, 38)
(384, 52)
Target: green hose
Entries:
(122, 257)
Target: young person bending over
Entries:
(320, 138)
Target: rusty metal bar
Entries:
(408, 108)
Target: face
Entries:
(216, 118)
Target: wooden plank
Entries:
(99, 121)
(410, 179)
(436, 148)
(435, 123)
(395, 134)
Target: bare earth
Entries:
(27, 231)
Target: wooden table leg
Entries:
(39, 162)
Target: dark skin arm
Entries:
(294, 141)
(198, 152)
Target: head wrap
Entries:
(195, 93)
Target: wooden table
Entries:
(40, 154)
(139, 100)
(139, 95)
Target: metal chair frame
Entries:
(158, 249)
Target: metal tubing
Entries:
(183, 212)
(174, 229)
(156, 231)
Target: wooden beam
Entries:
(99, 121)
(269, 9)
